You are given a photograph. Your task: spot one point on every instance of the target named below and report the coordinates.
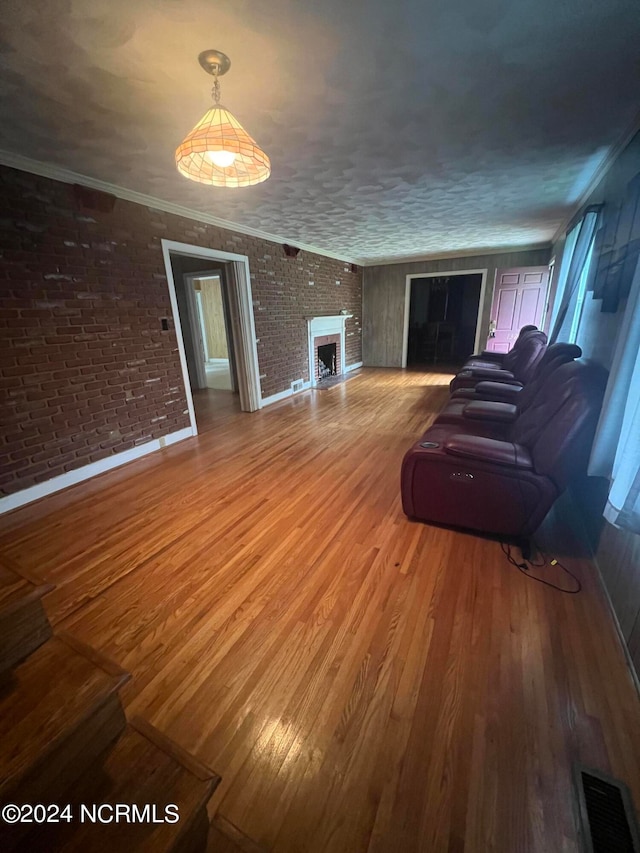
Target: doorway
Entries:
(210, 294)
(210, 325)
(443, 316)
(217, 345)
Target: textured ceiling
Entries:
(394, 129)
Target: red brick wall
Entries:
(86, 370)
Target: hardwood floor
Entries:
(213, 406)
(360, 682)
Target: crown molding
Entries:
(66, 176)
(463, 253)
(603, 168)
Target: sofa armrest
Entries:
(494, 373)
(489, 450)
(506, 392)
(498, 357)
(487, 410)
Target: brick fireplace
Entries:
(327, 357)
(327, 332)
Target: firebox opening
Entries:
(326, 361)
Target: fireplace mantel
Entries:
(329, 324)
(328, 318)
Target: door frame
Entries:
(451, 273)
(248, 371)
(203, 331)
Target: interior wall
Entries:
(618, 551)
(87, 369)
(383, 297)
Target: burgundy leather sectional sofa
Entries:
(508, 442)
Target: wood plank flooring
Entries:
(360, 682)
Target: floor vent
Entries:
(297, 385)
(606, 814)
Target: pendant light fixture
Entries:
(219, 151)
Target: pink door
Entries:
(519, 299)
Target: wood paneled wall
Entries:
(383, 297)
(618, 559)
(213, 311)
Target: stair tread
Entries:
(218, 842)
(15, 589)
(225, 837)
(51, 693)
(136, 770)
(23, 622)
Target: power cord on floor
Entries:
(525, 565)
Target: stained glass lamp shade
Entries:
(212, 143)
(219, 151)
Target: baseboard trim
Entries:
(282, 395)
(56, 484)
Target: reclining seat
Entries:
(558, 353)
(506, 486)
(491, 419)
(487, 358)
(519, 364)
(502, 401)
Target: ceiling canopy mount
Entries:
(214, 62)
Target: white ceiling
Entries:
(395, 129)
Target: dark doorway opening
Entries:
(443, 314)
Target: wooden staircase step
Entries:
(225, 837)
(146, 769)
(58, 710)
(23, 622)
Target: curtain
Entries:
(616, 449)
(618, 248)
(565, 263)
(584, 239)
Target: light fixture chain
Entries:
(216, 87)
